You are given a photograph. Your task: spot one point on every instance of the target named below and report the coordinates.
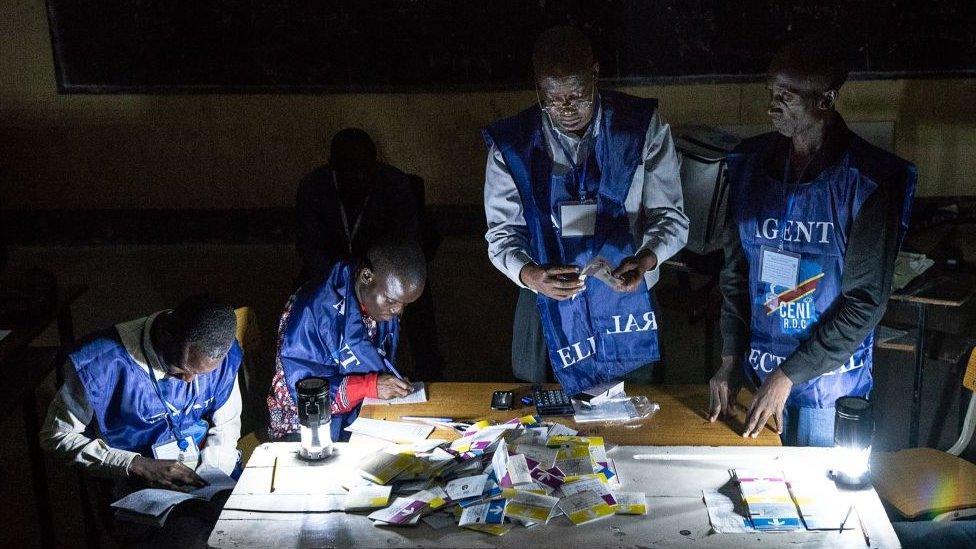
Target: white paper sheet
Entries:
(723, 515)
(151, 501)
(217, 481)
(367, 497)
(393, 431)
(466, 487)
(418, 396)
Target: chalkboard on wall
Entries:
(161, 46)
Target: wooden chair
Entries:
(249, 337)
(924, 482)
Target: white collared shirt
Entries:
(654, 203)
(70, 414)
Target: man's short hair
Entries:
(403, 258)
(351, 146)
(562, 51)
(819, 60)
(206, 323)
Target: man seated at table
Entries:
(817, 215)
(346, 329)
(147, 402)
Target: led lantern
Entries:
(314, 417)
(853, 431)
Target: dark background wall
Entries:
(355, 45)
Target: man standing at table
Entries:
(346, 329)
(817, 215)
(585, 174)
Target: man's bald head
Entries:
(562, 51)
(818, 64)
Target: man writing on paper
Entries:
(354, 201)
(346, 329)
(817, 215)
(586, 174)
(149, 401)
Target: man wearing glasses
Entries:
(585, 183)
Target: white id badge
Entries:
(171, 450)
(779, 268)
(577, 218)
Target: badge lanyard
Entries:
(350, 233)
(174, 426)
(577, 175)
(788, 202)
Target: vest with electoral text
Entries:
(324, 336)
(600, 335)
(807, 223)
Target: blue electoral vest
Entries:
(811, 219)
(601, 334)
(324, 336)
(128, 411)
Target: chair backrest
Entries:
(248, 334)
(969, 423)
(249, 338)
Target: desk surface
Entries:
(309, 514)
(939, 288)
(681, 421)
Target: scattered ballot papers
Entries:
(486, 517)
(531, 507)
(631, 503)
(492, 479)
(586, 506)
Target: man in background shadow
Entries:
(350, 204)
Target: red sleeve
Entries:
(353, 390)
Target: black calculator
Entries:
(552, 402)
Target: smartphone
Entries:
(502, 400)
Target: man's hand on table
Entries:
(165, 473)
(768, 403)
(389, 386)
(723, 389)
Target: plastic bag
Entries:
(620, 410)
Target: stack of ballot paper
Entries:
(153, 505)
(768, 500)
(492, 479)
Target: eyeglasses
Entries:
(575, 101)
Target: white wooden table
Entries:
(308, 514)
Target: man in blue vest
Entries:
(585, 175)
(816, 218)
(346, 328)
(153, 398)
(150, 402)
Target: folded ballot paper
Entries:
(493, 478)
(153, 506)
